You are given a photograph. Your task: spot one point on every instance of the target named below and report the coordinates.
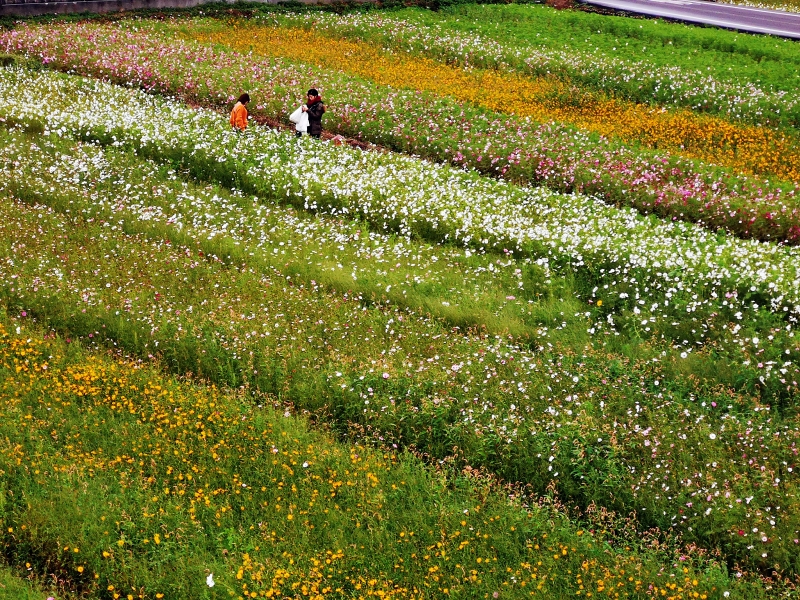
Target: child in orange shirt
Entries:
(239, 113)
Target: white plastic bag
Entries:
(302, 124)
(297, 115)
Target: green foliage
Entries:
(720, 53)
(16, 583)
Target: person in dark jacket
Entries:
(315, 109)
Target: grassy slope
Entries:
(13, 586)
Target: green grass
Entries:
(14, 585)
(720, 53)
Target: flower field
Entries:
(246, 365)
(182, 486)
(749, 149)
(744, 77)
(550, 153)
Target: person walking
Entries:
(315, 109)
(239, 112)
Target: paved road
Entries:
(743, 18)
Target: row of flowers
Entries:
(336, 253)
(413, 197)
(552, 154)
(520, 413)
(639, 80)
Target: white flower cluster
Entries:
(108, 185)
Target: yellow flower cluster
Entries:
(314, 580)
(746, 149)
(598, 580)
(172, 440)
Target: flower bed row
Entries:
(518, 296)
(505, 295)
(413, 197)
(743, 149)
(648, 278)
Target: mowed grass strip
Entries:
(746, 149)
(768, 4)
